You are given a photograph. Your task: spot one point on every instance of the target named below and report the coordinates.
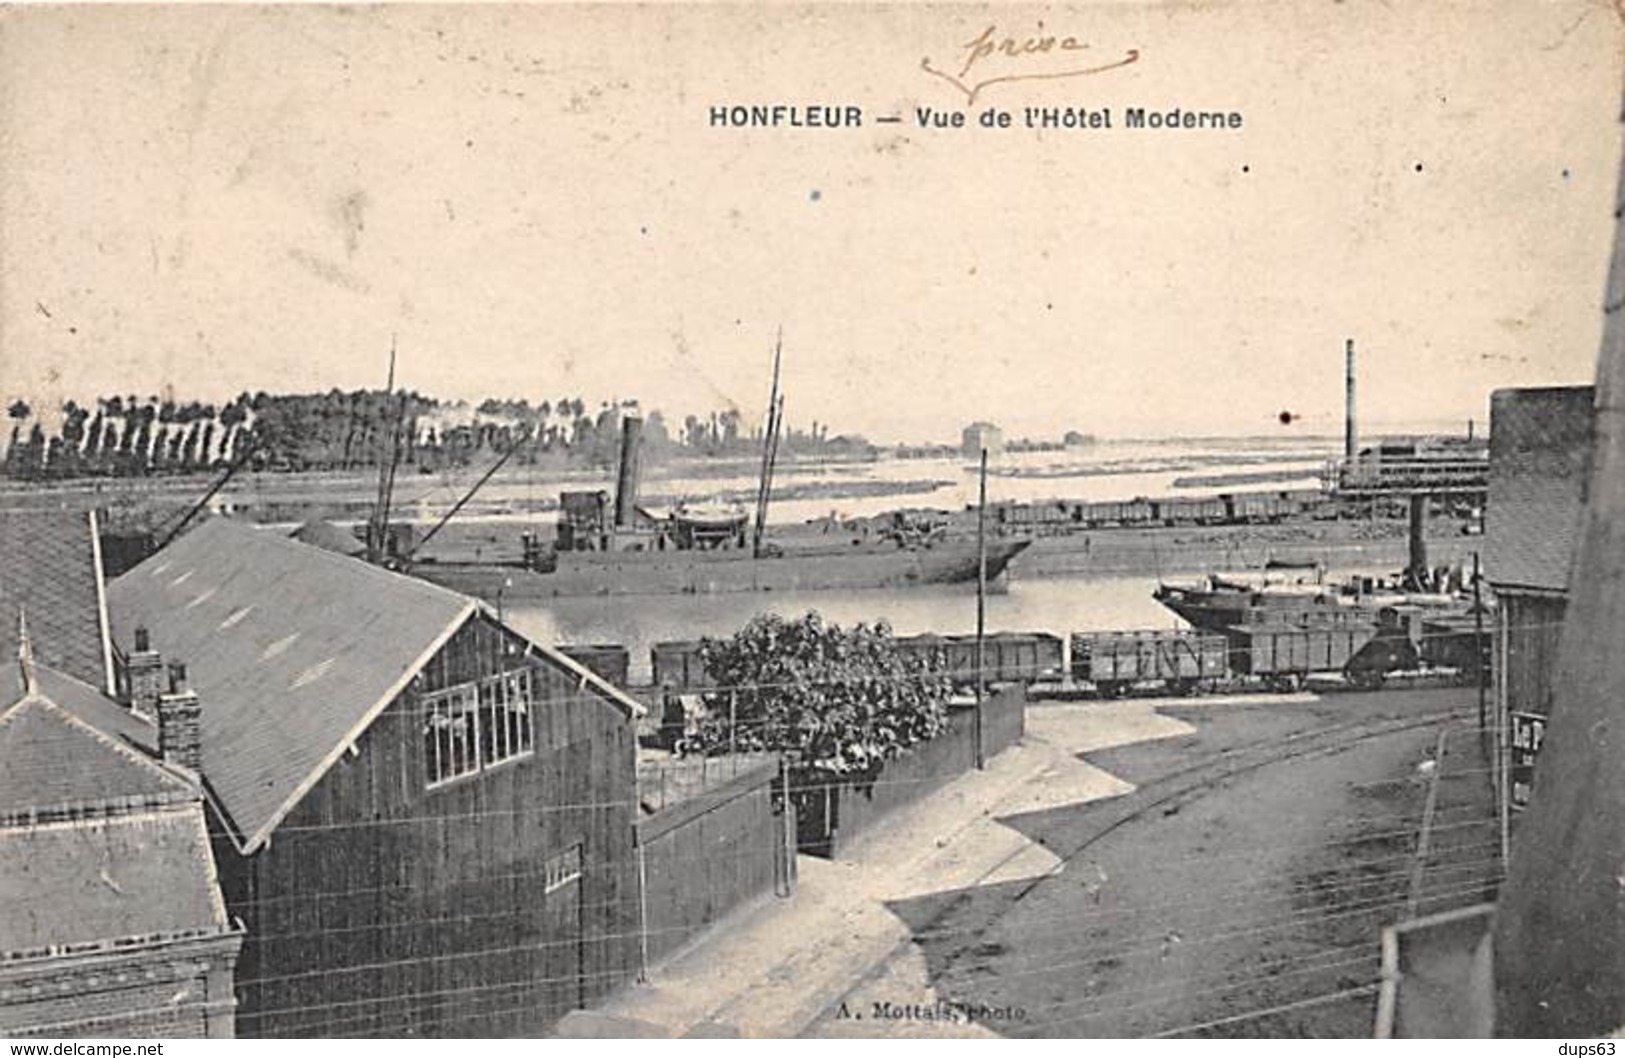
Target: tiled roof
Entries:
(85, 881)
(99, 842)
(292, 649)
(51, 759)
(49, 565)
(1540, 445)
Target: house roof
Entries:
(1540, 446)
(50, 566)
(87, 882)
(52, 760)
(99, 842)
(294, 651)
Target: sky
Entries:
(531, 201)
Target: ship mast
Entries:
(770, 449)
(378, 528)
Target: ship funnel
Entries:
(626, 485)
(1351, 438)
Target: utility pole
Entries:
(1478, 647)
(981, 607)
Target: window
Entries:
(561, 868)
(477, 725)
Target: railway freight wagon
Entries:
(1460, 642)
(1008, 657)
(1189, 511)
(1108, 513)
(1257, 508)
(1182, 660)
(608, 660)
(1284, 657)
(676, 666)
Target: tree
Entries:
(844, 700)
(19, 410)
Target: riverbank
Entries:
(1348, 545)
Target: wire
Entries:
(1283, 1008)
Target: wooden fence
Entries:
(703, 857)
(832, 810)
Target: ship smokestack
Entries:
(1351, 437)
(626, 485)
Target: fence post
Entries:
(643, 909)
(787, 849)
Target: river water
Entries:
(1059, 605)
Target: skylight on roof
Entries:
(278, 647)
(312, 674)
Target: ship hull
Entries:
(705, 573)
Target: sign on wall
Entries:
(1528, 730)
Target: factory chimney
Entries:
(626, 485)
(1351, 437)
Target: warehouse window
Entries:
(477, 725)
(561, 869)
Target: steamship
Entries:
(623, 549)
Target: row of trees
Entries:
(122, 437)
(128, 436)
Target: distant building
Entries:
(1540, 448)
(979, 436)
(423, 819)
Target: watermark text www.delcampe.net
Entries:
(88, 1050)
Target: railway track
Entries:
(1156, 796)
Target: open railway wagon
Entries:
(1052, 517)
(1284, 657)
(1182, 661)
(1007, 657)
(611, 661)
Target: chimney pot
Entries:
(144, 680)
(180, 739)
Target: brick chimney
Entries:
(180, 738)
(144, 676)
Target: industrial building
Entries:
(424, 821)
(979, 437)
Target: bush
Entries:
(843, 700)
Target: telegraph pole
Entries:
(981, 606)
(1478, 646)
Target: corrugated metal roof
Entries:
(292, 649)
(49, 565)
(91, 881)
(1540, 448)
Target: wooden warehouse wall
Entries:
(381, 907)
